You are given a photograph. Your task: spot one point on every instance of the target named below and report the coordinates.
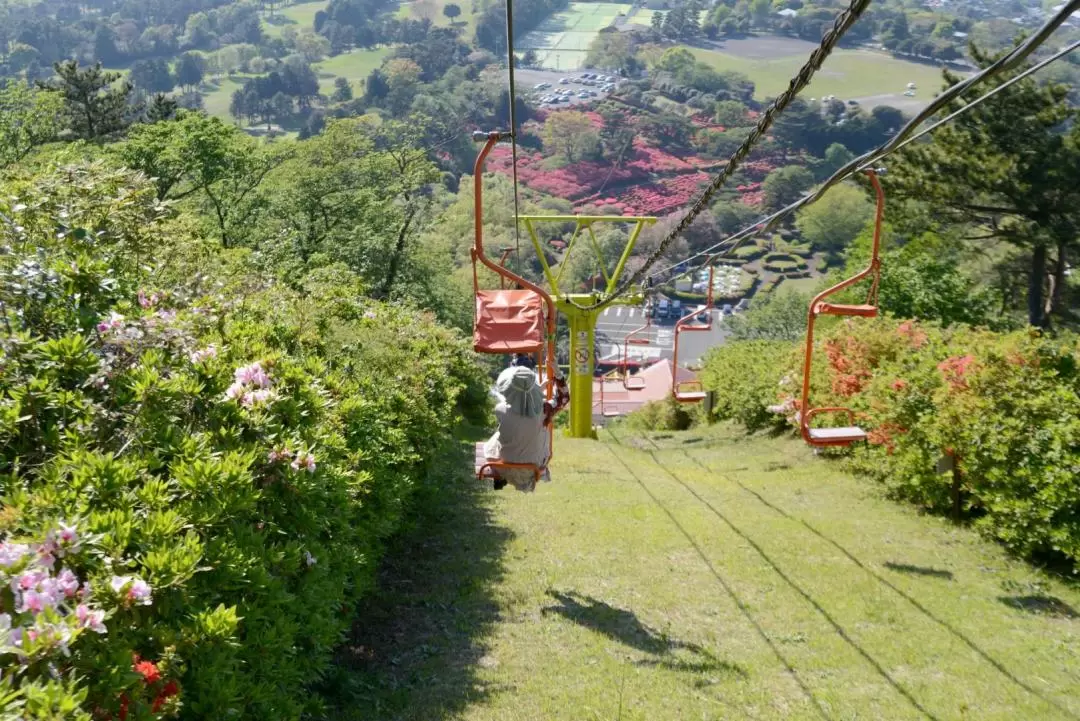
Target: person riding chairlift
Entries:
(524, 418)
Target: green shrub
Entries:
(1004, 409)
(748, 252)
(784, 263)
(241, 448)
(744, 378)
(666, 415)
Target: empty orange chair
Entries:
(851, 433)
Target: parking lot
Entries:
(527, 79)
(616, 322)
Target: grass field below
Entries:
(299, 15)
(561, 42)
(433, 11)
(846, 74)
(355, 66)
(706, 575)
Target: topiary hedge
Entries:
(1000, 409)
(199, 466)
(784, 263)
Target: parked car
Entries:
(728, 309)
(743, 304)
(542, 86)
(703, 314)
(579, 81)
(662, 308)
(564, 81)
(676, 309)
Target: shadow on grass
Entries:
(624, 626)
(420, 637)
(1041, 605)
(916, 603)
(919, 570)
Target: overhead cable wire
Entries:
(510, 61)
(840, 26)
(901, 140)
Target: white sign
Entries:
(583, 336)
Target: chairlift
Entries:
(841, 435)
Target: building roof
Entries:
(657, 379)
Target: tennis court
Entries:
(562, 41)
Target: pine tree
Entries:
(96, 109)
(161, 108)
(1006, 169)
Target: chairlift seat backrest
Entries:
(508, 321)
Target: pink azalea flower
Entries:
(67, 583)
(90, 618)
(304, 461)
(235, 392)
(140, 592)
(34, 602)
(204, 354)
(137, 590)
(12, 553)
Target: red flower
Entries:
(148, 671)
(899, 384)
(908, 330)
(171, 689)
(955, 369)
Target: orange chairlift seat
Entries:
(691, 391)
(841, 435)
(519, 317)
(636, 383)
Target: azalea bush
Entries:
(963, 421)
(199, 465)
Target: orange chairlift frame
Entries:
(518, 319)
(842, 435)
(635, 383)
(691, 391)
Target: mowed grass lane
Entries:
(561, 42)
(710, 576)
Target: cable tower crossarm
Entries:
(843, 22)
(907, 134)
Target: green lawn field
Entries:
(705, 575)
(433, 10)
(300, 16)
(562, 40)
(354, 66)
(846, 74)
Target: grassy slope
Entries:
(434, 10)
(355, 66)
(846, 74)
(713, 578)
(300, 15)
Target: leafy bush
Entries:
(749, 252)
(1002, 409)
(666, 415)
(743, 375)
(228, 454)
